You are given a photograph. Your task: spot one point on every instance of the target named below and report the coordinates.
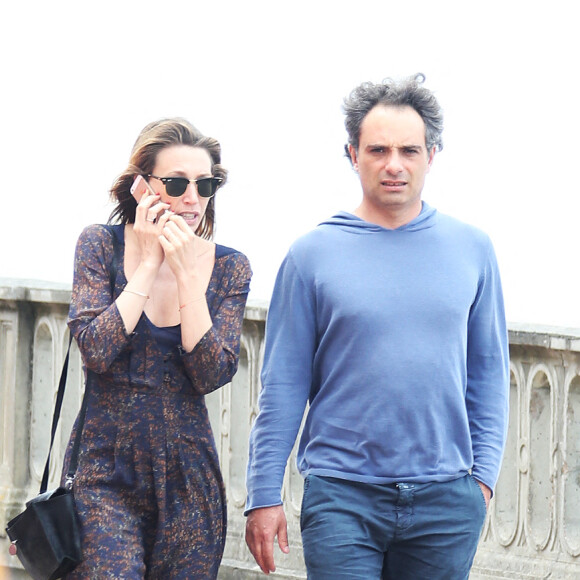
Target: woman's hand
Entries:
(180, 245)
(150, 219)
(182, 250)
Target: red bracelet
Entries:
(191, 302)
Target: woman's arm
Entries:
(144, 240)
(94, 319)
(214, 360)
(101, 325)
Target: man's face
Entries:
(392, 161)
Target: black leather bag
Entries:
(46, 535)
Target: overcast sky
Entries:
(267, 79)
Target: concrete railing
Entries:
(533, 525)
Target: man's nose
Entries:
(393, 164)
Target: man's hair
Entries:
(408, 92)
(153, 138)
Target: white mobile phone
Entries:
(140, 187)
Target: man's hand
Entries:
(262, 526)
(486, 492)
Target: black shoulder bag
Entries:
(46, 535)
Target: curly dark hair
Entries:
(152, 139)
(408, 92)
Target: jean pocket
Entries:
(303, 508)
(480, 491)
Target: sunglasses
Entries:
(176, 186)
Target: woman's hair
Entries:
(408, 92)
(152, 139)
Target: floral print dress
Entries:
(148, 488)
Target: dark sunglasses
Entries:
(176, 186)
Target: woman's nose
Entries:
(190, 194)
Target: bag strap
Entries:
(56, 415)
(74, 456)
(73, 463)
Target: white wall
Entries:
(267, 79)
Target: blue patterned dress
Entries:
(148, 489)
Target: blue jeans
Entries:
(402, 531)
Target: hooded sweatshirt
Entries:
(397, 340)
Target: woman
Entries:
(157, 311)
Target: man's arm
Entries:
(286, 381)
(487, 396)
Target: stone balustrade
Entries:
(533, 525)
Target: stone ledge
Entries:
(29, 290)
(37, 291)
(550, 337)
(26, 290)
(256, 310)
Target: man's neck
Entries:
(390, 218)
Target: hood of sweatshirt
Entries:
(426, 219)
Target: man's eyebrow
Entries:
(391, 146)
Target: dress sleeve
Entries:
(214, 360)
(94, 319)
(487, 396)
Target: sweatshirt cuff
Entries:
(263, 498)
(255, 507)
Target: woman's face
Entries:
(191, 163)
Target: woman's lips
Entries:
(190, 218)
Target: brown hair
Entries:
(152, 139)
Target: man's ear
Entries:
(431, 157)
(353, 157)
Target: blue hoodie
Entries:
(398, 341)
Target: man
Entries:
(390, 323)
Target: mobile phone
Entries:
(140, 187)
